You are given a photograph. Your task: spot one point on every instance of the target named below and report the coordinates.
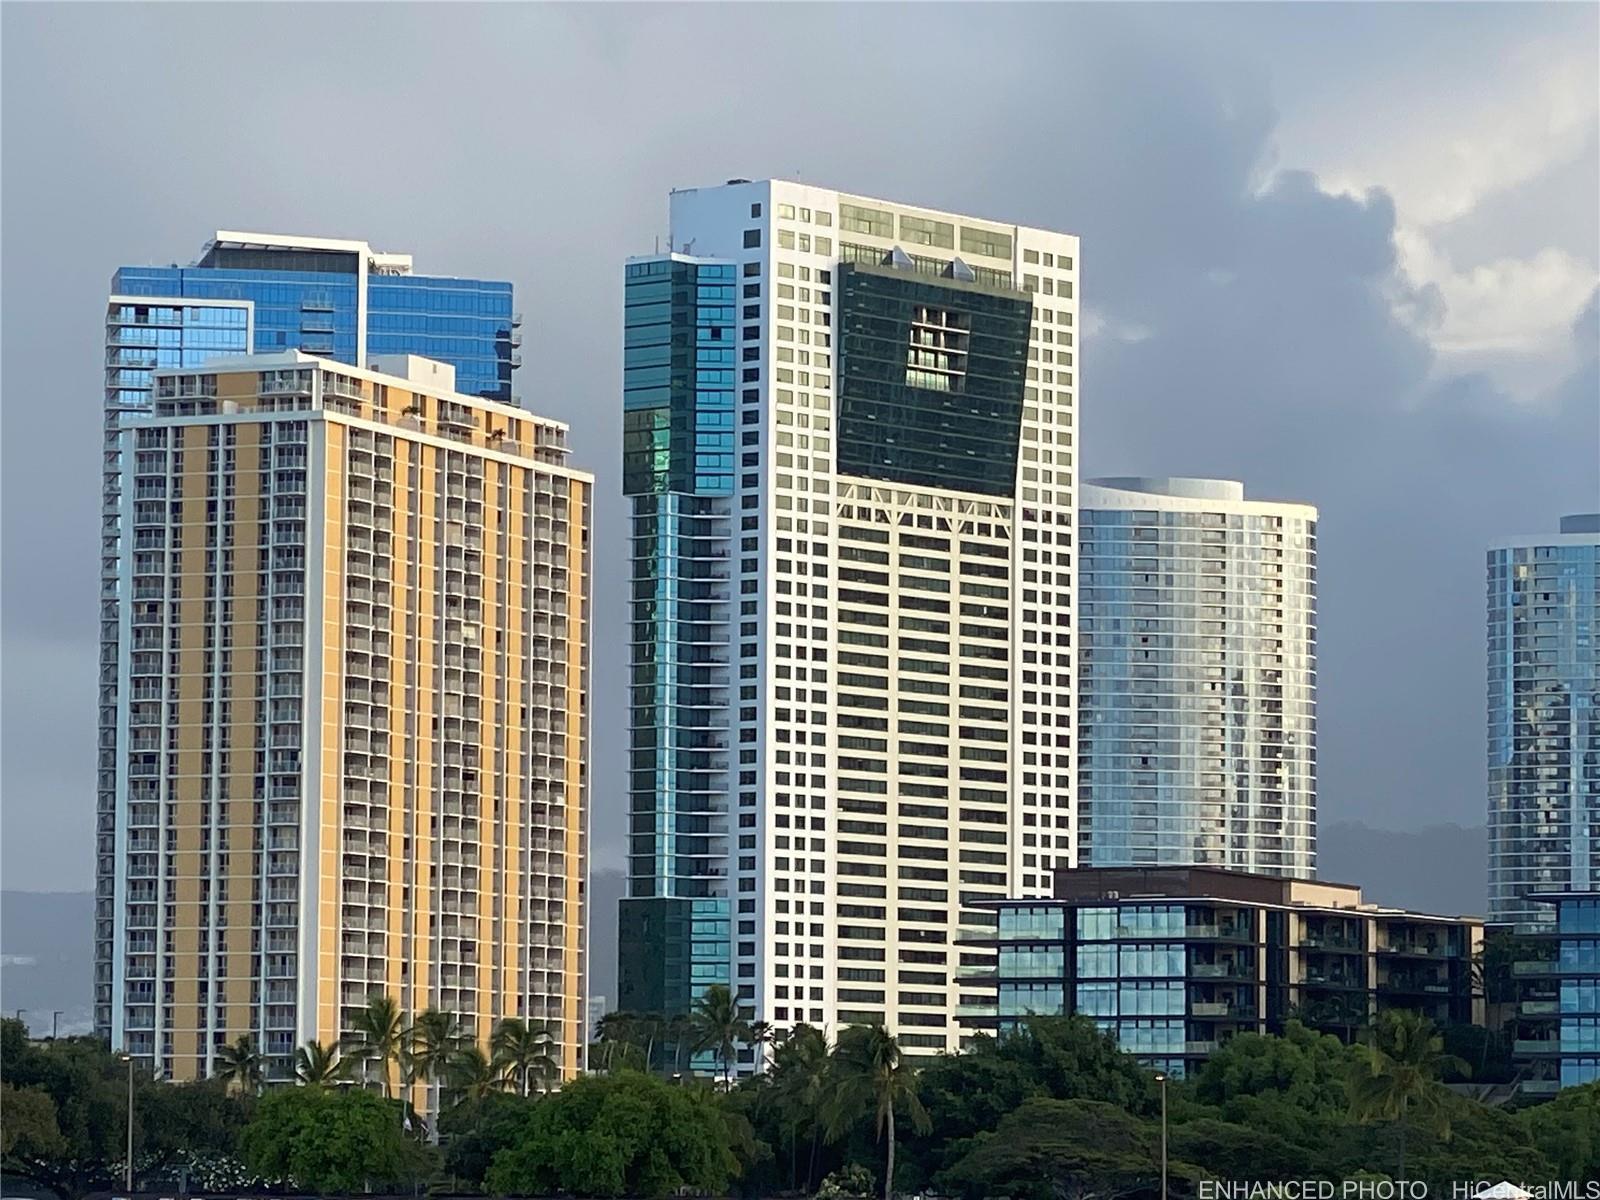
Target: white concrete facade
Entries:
(847, 909)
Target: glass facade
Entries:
(1578, 923)
(1197, 679)
(144, 338)
(678, 431)
(678, 377)
(1558, 994)
(931, 378)
(468, 323)
(1544, 718)
(1172, 978)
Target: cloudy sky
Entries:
(1346, 253)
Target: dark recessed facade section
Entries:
(930, 379)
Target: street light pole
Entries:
(1162, 1080)
(128, 1173)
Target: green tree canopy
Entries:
(332, 1140)
(617, 1135)
(28, 1128)
(1067, 1150)
(1057, 1058)
(475, 1130)
(1566, 1131)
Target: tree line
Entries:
(1051, 1109)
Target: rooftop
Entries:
(1209, 884)
(1191, 492)
(377, 261)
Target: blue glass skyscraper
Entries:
(340, 299)
(262, 293)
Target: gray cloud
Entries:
(538, 143)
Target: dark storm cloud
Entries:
(538, 143)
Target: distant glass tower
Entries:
(1544, 717)
(1197, 677)
(262, 293)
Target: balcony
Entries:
(1220, 1009)
(1337, 945)
(1536, 1047)
(1417, 950)
(1221, 933)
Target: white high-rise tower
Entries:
(849, 444)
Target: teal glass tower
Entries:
(678, 432)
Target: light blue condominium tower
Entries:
(247, 293)
(1544, 717)
(1196, 677)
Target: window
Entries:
(924, 232)
(752, 239)
(874, 221)
(988, 242)
(755, 210)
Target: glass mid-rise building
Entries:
(848, 447)
(1174, 961)
(1196, 677)
(1557, 1020)
(1544, 717)
(263, 293)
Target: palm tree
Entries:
(761, 1035)
(523, 1051)
(615, 1032)
(242, 1063)
(377, 1034)
(473, 1075)
(1397, 1078)
(719, 1026)
(799, 1082)
(434, 1040)
(869, 1077)
(317, 1065)
(680, 1031)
